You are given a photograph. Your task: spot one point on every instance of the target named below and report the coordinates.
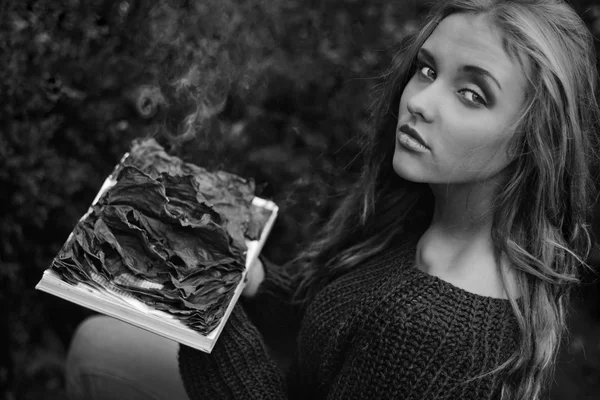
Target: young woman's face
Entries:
(456, 110)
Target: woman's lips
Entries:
(411, 139)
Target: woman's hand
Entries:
(254, 277)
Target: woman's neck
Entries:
(458, 247)
(463, 209)
(460, 229)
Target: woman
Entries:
(445, 271)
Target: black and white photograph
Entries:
(299, 199)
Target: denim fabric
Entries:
(111, 360)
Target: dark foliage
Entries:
(277, 91)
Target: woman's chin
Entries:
(406, 170)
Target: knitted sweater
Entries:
(385, 330)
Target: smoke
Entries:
(214, 51)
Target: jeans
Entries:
(111, 360)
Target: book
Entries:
(108, 298)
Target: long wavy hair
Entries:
(539, 216)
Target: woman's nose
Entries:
(421, 103)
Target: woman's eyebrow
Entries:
(480, 72)
(472, 70)
(426, 56)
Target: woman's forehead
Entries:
(465, 39)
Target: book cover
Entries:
(165, 246)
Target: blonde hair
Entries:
(540, 215)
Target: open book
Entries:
(111, 300)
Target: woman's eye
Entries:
(473, 97)
(427, 72)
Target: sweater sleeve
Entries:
(239, 366)
(384, 366)
(271, 308)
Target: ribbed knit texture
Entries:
(385, 330)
